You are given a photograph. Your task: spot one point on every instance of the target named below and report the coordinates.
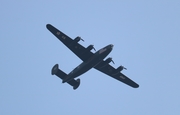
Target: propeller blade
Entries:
(82, 39)
(94, 49)
(124, 68)
(113, 62)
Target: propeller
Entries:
(94, 48)
(120, 68)
(124, 68)
(81, 38)
(108, 60)
(112, 61)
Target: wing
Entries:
(111, 71)
(73, 45)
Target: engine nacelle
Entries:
(108, 60)
(90, 47)
(77, 39)
(120, 68)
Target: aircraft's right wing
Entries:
(111, 71)
(82, 52)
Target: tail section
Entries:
(75, 83)
(56, 71)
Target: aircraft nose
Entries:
(111, 45)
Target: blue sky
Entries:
(146, 40)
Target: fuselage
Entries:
(90, 63)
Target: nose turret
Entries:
(111, 46)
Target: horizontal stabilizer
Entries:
(56, 71)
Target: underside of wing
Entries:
(115, 73)
(82, 52)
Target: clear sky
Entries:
(146, 40)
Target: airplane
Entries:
(90, 60)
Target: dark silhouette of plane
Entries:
(90, 60)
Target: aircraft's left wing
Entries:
(111, 71)
(82, 52)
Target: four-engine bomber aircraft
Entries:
(90, 60)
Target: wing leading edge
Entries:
(111, 71)
(82, 52)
